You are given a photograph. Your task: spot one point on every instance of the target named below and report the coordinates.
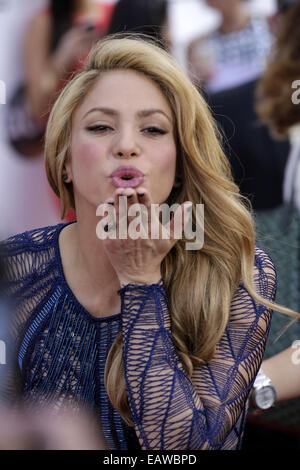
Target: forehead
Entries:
(123, 89)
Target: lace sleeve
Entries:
(169, 410)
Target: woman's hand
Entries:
(138, 260)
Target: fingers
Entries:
(139, 196)
(180, 221)
(134, 217)
(134, 205)
(130, 205)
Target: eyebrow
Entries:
(142, 113)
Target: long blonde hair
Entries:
(200, 284)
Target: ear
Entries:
(67, 170)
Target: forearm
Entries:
(42, 68)
(284, 372)
(162, 399)
(169, 410)
(41, 92)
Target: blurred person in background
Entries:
(148, 17)
(57, 41)
(278, 107)
(232, 54)
(27, 427)
(278, 99)
(257, 159)
(30, 428)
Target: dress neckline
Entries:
(66, 286)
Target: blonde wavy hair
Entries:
(200, 284)
(274, 102)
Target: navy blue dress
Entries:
(62, 351)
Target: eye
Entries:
(98, 128)
(154, 130)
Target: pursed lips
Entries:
(127, 177)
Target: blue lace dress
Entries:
(62, 350)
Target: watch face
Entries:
(265, 397)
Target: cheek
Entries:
(164, 168)
(85, 154)
(166, 161)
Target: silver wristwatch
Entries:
(264, 393)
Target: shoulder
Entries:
(264, 281)
(265, 275)
(28, 251)
(244, 308)
(34, 239)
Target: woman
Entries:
(162, 342)
(232, 54)
(58, 38)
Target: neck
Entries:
(90, 258)
(234, 20)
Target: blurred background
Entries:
(224, 45)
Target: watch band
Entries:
(261, 380)
(263, 395)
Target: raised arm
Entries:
(45, 70)
(169, 410)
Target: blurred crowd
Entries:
(245, 67)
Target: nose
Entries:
(126, 154)
(126, 145)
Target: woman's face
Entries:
(125, 120)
